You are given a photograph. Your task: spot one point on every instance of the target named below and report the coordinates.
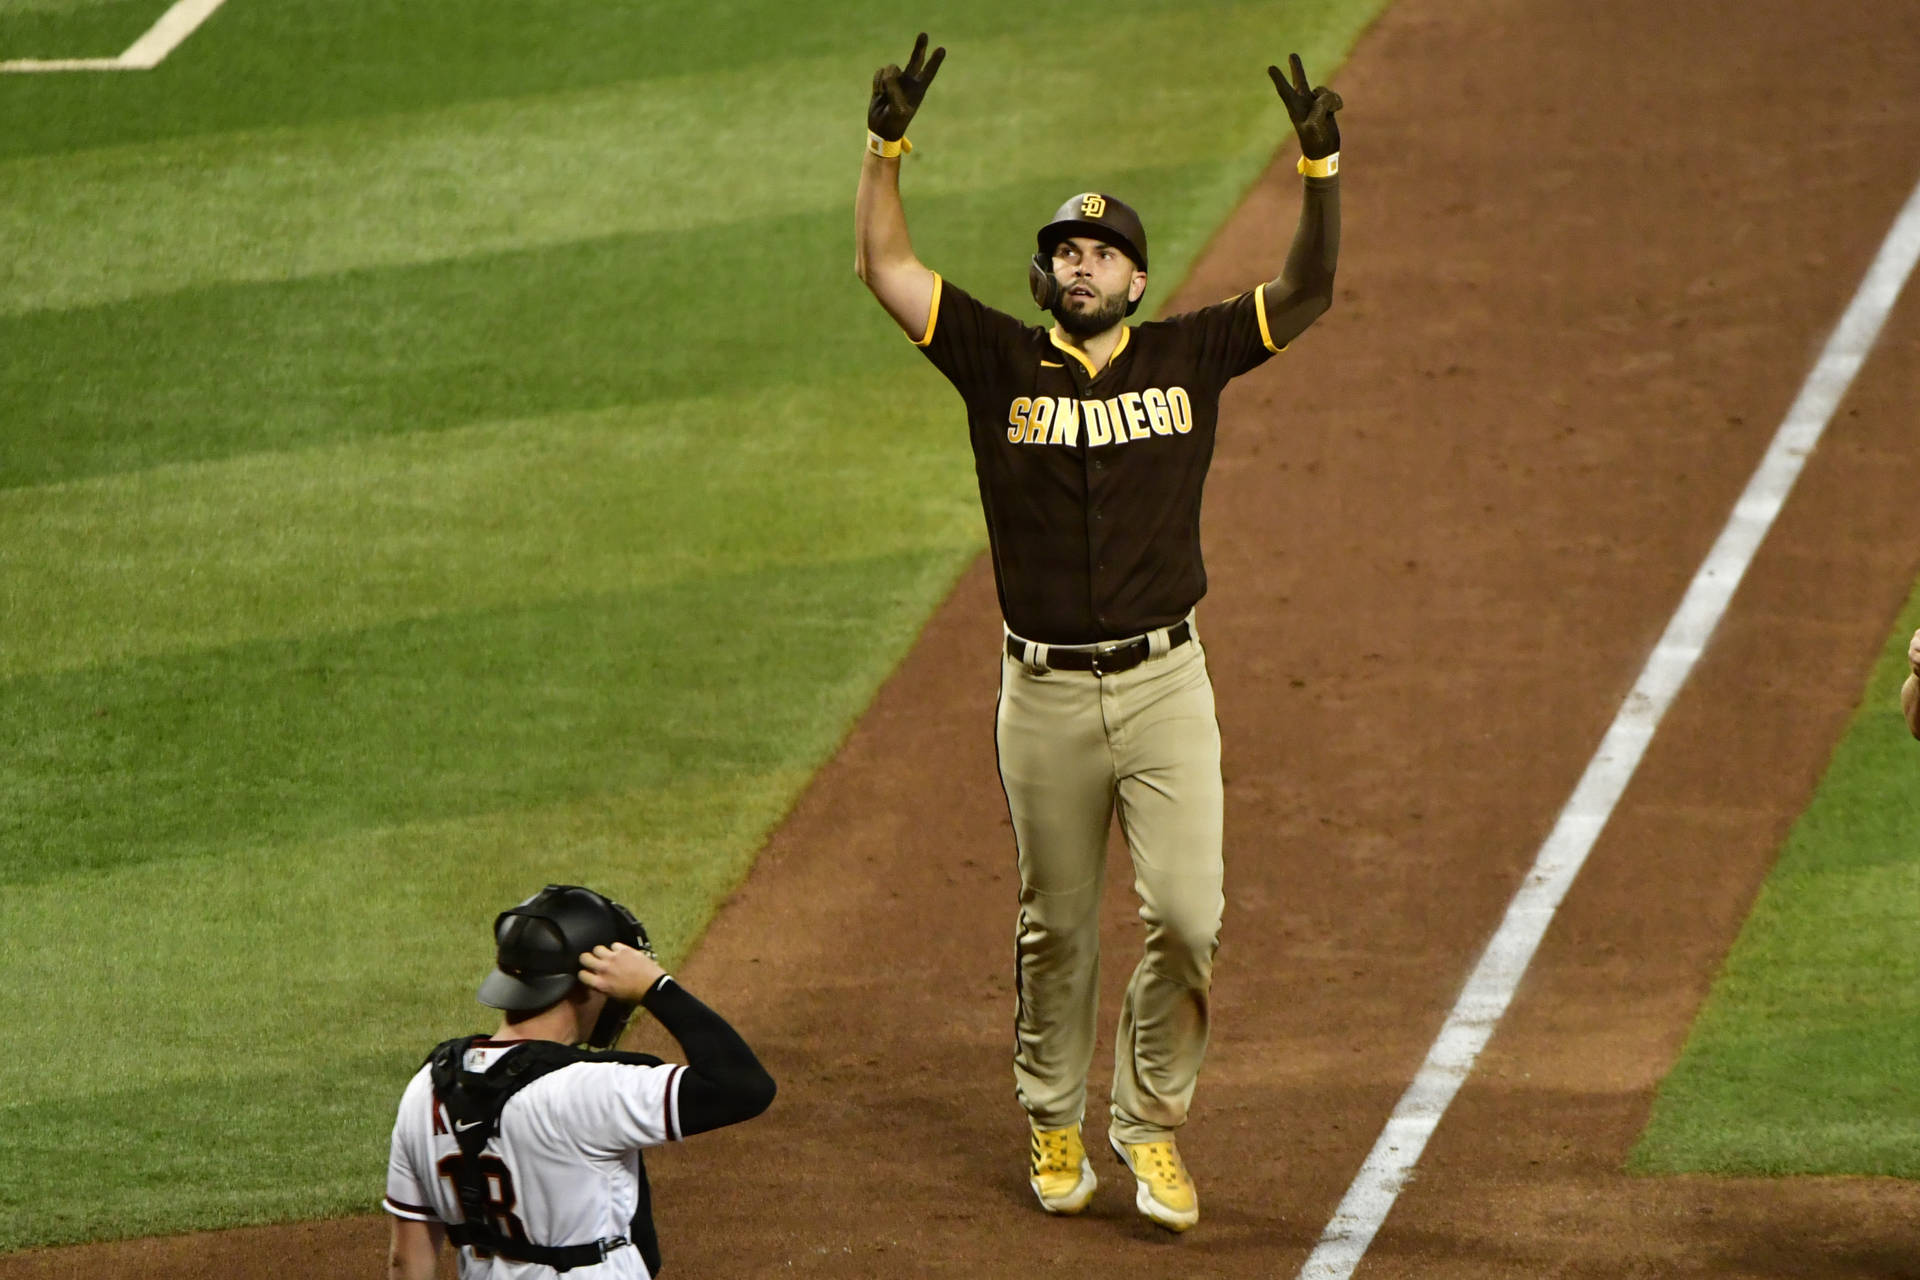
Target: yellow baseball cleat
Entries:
(1058, 1169)
(1164, 1187)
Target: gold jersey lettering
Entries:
(1038, 420)
(1181, 408)
(1136, 416)
(1066, 422)
(1119, 422)
(1099, 426)
(1017, 420)
(1159, 417)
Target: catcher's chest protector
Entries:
(473, 1101)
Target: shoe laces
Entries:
(1159, 1162)
(1053, 1150)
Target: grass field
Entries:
(445, 449)
(1802, 1061)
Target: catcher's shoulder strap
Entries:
(473, 1101)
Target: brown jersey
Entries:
(1091, 484)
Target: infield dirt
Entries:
(1590, 251)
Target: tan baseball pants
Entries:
(1074, 748)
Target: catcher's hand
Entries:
(620, 971)
(1311, 110)
(897, 91)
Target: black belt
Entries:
(1106, 659)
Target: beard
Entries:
(1110, 311)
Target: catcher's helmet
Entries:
(1095, 215)
(538, 945)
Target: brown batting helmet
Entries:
(1098, 216)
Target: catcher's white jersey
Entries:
(563, 1163)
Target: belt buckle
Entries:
(1098, 662)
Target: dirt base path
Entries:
(1590, 252)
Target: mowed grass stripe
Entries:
(1822, 985)
(218, 1148)
(283, 740)
(373, 923)
(405, 189)
(760, 304)
(10, 10)
(673, 154)
(272, 63)
(72, 29)
(499, 516)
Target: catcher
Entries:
(523, 1149)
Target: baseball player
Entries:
(1910, 691)
(1091, 440)
(524, 1150)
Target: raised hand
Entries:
(897, 91)
(620, 971)
(1311, 110)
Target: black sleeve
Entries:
(1303, 290)
(969, 341)
(1232, 337)
(724, 1083)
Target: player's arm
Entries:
(1910, 691)
(883, 254)
(414, 1252)
(724, 1082)
(1303, 290)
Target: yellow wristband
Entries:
(887, 148)
(1324, 167)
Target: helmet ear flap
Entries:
(1041, 281)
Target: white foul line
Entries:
(144, 54)
(1490, 988)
